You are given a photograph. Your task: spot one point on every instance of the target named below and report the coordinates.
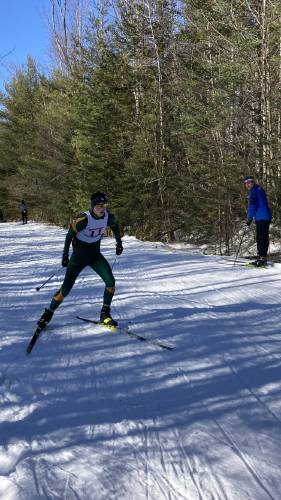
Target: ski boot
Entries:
(260, 262)
(45, 318)
(105, 317)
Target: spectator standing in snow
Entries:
(23, 209)
(258, 211)
(85, 234)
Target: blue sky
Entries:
(23, 31)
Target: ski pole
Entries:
(45, 282)
(112, 266)
(244, 232)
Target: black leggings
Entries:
(262, 237)
(24, 217)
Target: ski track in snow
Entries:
(93, 414)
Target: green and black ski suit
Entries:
(85, 234)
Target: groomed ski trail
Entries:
(93, 415)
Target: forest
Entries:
(164, 105)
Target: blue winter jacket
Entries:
(258, 208)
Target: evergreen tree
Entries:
(17, 130)
(102, 107)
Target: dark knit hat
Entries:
(249, 178)
(97, 198)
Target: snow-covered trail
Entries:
(93, 414)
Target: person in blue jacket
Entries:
(258, 211)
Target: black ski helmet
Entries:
(98, 198)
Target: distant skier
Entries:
(2, 216)
(85, 234)
(259, 211)
(24, 211)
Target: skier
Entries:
(85, 234)
(23, 209)
(259, 211)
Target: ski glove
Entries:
(65, 260)
(119, 248)
(246, 225)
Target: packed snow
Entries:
(97, 415)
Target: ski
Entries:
(127, 332)
(235, 262)
(240, 263)
(253, 266)
(267, 266)
(34, 339)
(247, 261)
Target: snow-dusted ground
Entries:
(96, 415)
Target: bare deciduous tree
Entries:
(68, 19)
